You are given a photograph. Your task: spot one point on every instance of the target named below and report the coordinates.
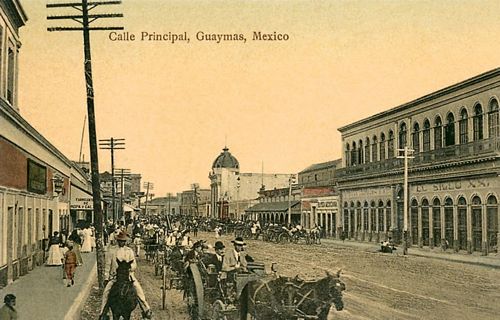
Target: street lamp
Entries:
(58, 182)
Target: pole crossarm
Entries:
(75, 4)
(51, 29)
(92, 16)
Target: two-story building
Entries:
(453, 182)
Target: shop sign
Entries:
(37, 177)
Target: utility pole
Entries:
(124, 173)
(407, 154)
(195, 187)
(83, 18)
(148, 186)
(112, 144)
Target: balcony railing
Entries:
(455, 152)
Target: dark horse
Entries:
(286, 298)
(122, 296)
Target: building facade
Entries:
(280, 206)
(232, 191)
(454, 180)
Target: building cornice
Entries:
(15, 13)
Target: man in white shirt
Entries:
(122, 253)
(235, 260)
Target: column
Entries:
(377, 227)
(349, 222)
(356, 231)
(385, 222)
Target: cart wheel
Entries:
(192, 300)
(164, 287)
(218, 308)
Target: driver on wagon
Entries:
(122, 253)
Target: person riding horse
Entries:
(122, 253)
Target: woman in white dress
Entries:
(55, 257)
(87, 240)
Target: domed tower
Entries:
(226, 160)
(223, 182)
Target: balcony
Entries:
(471, 150)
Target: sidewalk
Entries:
(42, 293)
(492, 260)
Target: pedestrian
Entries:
(70, 262)
(77, 242)
(137, 244)
(87, 240)
(54, 257)
(8, 312)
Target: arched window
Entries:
(478, 122)
(416, 137)
(477, 223)
(427, 136)
(436, 221)
(367, 150)
(448, 220)
(348, 155)
(365, 216)
(425, 222)
(414, 221)
(402, 136)
(354, 154)
(438, 134)
(360, 152)
(390, 145)
(382, 147)
(493, 123)
(464, 127)
(373, 217)
(449, 135)
(462, 223)
(374, 149)
(381, 226)
(389, 215)
(492, 222)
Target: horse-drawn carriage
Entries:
(257, 295)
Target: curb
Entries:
(75, 309)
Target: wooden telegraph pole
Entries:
(84, 18)
(112, 144)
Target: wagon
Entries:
(256, 295)
(217, 296)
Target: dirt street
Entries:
(378, 286)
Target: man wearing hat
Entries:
(7, 312)
(235, 260)
(122, 253)
(217, 258)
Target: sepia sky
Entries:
(276, 102)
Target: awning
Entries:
(274, 206)
(81, 199)
(129, 208)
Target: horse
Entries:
(285, 298)
(122, 296)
